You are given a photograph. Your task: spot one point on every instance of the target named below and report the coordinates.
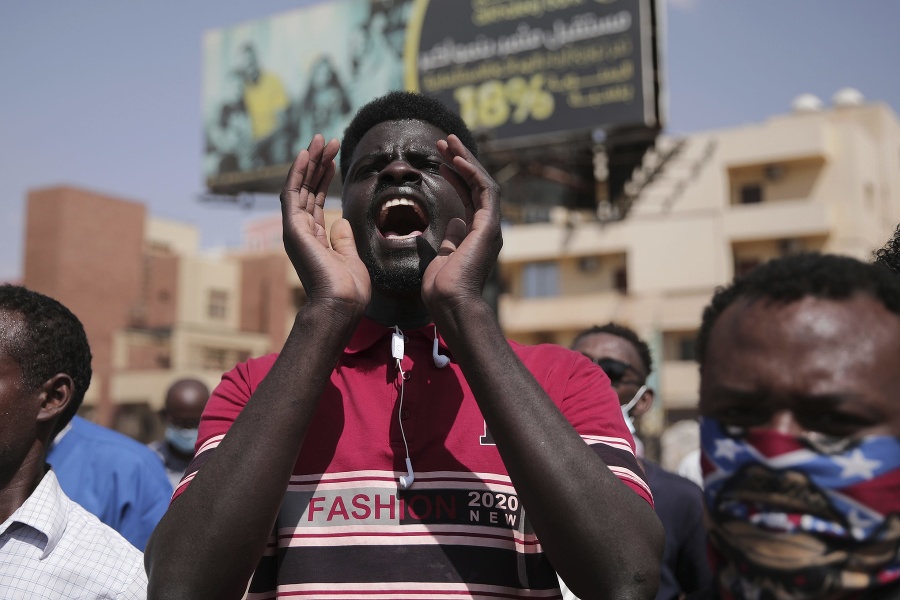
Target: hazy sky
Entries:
(105, 94)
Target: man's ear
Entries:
(56, 393)
(643, 404)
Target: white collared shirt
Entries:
(52, 548)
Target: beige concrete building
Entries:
(702, 209)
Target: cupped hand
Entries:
(328, 272)
(469, 249)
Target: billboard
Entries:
(532, 67)
(512, 68)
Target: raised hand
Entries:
(328, 272)
(469, 249)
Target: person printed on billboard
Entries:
(265, 101)
(326, 105)
(377, 56)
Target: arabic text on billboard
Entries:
(531, 67)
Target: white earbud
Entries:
(440, 361)
(407, 480)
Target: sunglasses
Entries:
(616, 369)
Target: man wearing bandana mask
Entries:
(185, 401)
(626, 360)
(800, 431)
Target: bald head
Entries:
(185, 401)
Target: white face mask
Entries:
(627, 407)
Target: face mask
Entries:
(790, 518)
(629, 420)
(182, 440)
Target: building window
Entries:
(215, 358)
(620, 280)
(680, 345)
(751, 193)
(588, 264)
(540, 280)
(790, 246)
(218, 304)
(138, 421)
(687, 348)
(221, 359)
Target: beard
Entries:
(403, 276)
(397, 271)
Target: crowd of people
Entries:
(398, 446)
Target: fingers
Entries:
(465, 164)
(480, 191)
(342, 239)
(296, 173)
(462, 188)
(321, 164)
(310, 175)
(453, 237)
(468, 167)
(318, 208)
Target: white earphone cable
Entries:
(400, 407)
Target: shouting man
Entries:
(399, 445)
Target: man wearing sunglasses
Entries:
(800, 432)
(626, 360)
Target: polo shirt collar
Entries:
(45, 511)
(369, 333)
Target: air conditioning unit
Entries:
(773, 172)
(790, 246)
(588, 264)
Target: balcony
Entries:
(561, 313)
(785, 138)
(782, 219)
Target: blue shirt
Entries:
(114, 477)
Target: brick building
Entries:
(155, 309)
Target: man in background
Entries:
(185, 401)
(50, 547)
(799, 431)
(626, 360)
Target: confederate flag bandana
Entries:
(798, 518)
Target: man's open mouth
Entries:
(400, 218)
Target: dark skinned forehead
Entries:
(12, 330)
(415, 136)
(186, 393)
(607, 345)
(813, 349)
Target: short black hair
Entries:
(403, 106)
(795, 277)
(52, 341)
(889, 255)
(627, 334)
